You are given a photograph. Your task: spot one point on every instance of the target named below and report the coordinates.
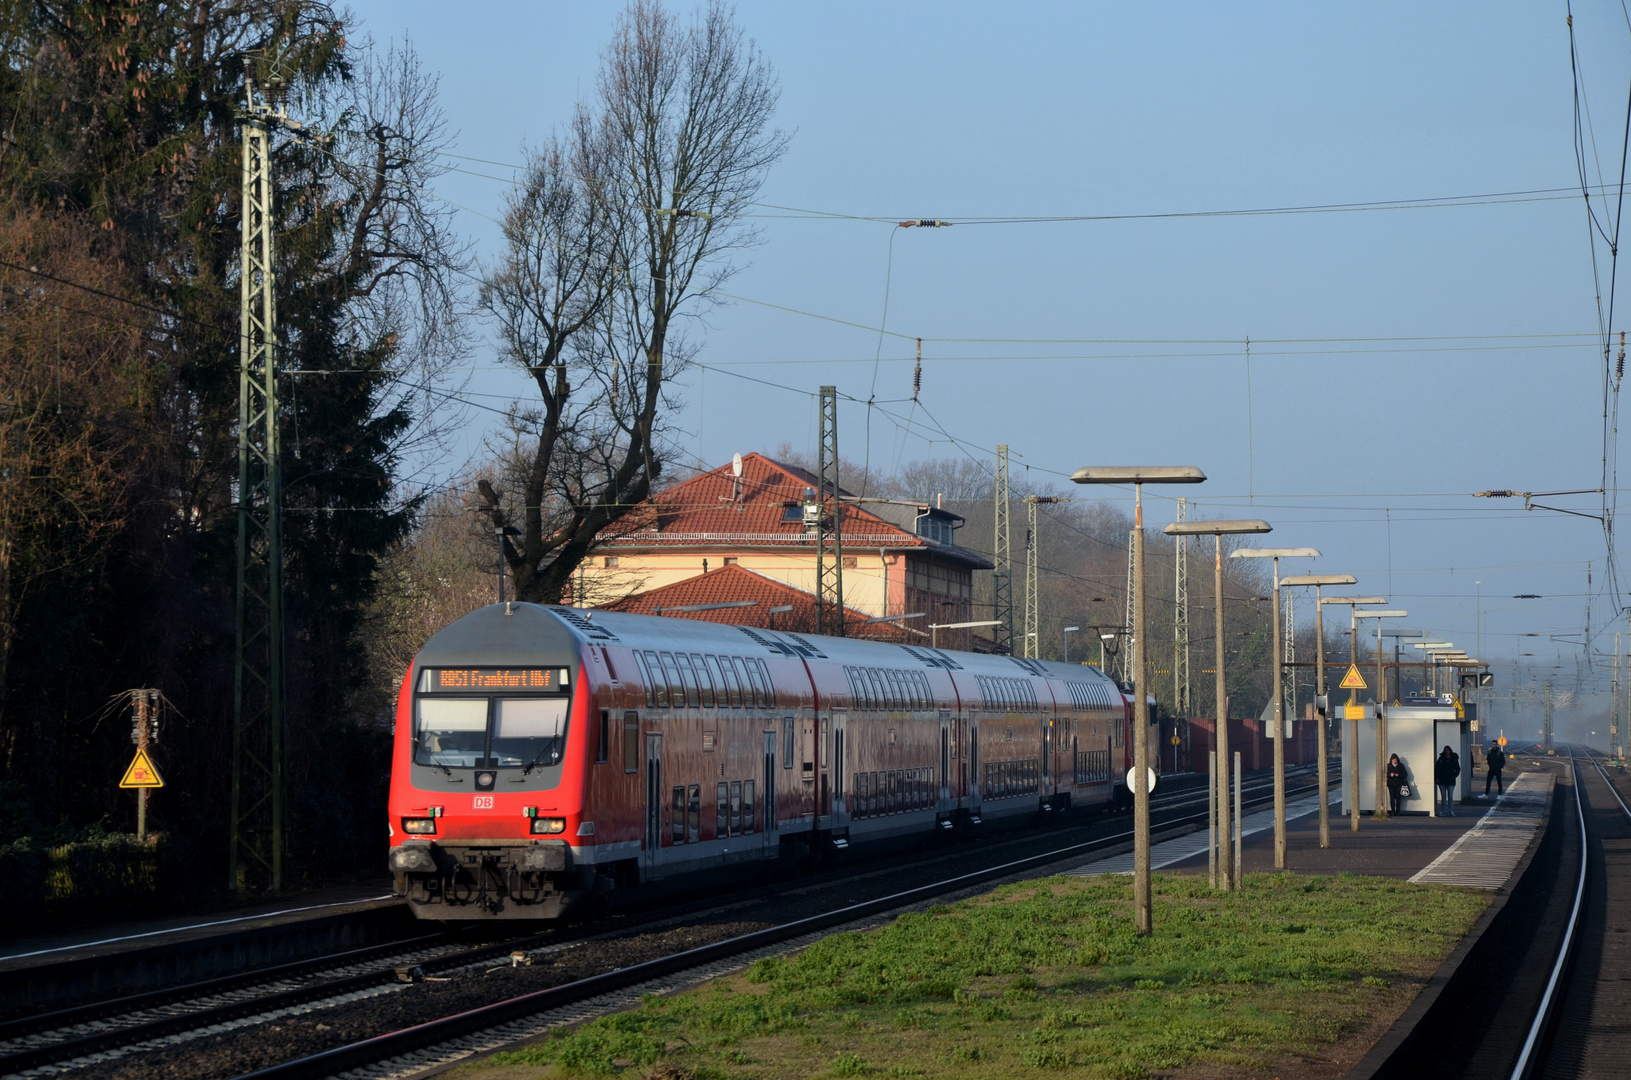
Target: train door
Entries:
(945, 760)
(807, 763)
(768, 800)
(840, 721)
(654, 801)
(974, 763)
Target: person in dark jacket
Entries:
(1496, 760)
(1396, 780)
(1445, 772)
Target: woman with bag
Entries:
(1398, 787)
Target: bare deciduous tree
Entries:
(622, 231)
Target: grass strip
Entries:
(1047, 976)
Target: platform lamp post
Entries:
(935, 628)
(1322, 701)
(1276, 704)
(1425, 648)
(1064, 636)
(1381, 705)
(1352, 711)
(1217, 530)
(1138, 476)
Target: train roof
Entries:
(488, 636)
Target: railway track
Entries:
(450, 1038)
(1579, 1028)
(101, 1033)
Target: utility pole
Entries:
(1002, 579)
(1614, 700)
(1128, 672)
(144, 731)
(829, 527)
(1546, 715)
(1182, 704)
(1033, 624)
(256, 848)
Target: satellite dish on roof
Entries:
(736, 465)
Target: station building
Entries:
(900, 557)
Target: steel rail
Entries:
(1537, 1029)
(1612, 790)
(33, 1057)
(380, 1047)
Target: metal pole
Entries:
(1221, 775)
(1381, 729)
(1142, 915)
(1319, 682)
(1279, 722)
(1352, 767)
(1212, 818)
(1240, 866)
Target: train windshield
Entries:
(491, 732)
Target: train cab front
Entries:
(486, 795)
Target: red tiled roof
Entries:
(706, 508)
(733, 583)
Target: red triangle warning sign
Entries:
(141, 773)
(1353, 680)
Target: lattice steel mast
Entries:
(1002, 579)
(1033, 624)
(256, 847)
(829, 523)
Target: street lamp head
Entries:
(1138, 474)
(1386, 613)
(1217, 528)
(1071, 629)
(1275, 553)
(1320, 579)
(1353, 600)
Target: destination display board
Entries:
(486, 680)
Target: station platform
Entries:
(57, 945)
(1478, 847)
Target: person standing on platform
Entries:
(1445, 772)
(1496, 760)
(1396, 779)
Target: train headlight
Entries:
(548, 826)
(419, 826)
(412, 858)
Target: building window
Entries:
(792, 514)
(730, 560)
(850, 563)
(610, 560)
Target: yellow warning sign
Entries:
(1353, 680)
(1354, 712)
(141, 773)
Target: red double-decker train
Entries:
(545, 755)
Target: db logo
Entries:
(482, 802)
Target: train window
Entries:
(770, 687)
(676, 685)
(747, 806)
(721, 691)
(928, 691)
(787, 742)
(694, 814)
(659, 681)
(528, 731)
(855, 700)
(704, 680)
(452, 731)
(604, 746)
(722, 810)
(645, 677)
(879, 699)
(677, 813)
(631, 742)
(897, 690)
(693, 689)
(752, 693)
(732, 681)
(736, 808)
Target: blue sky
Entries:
(1400, 359)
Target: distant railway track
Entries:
(78, 1037)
